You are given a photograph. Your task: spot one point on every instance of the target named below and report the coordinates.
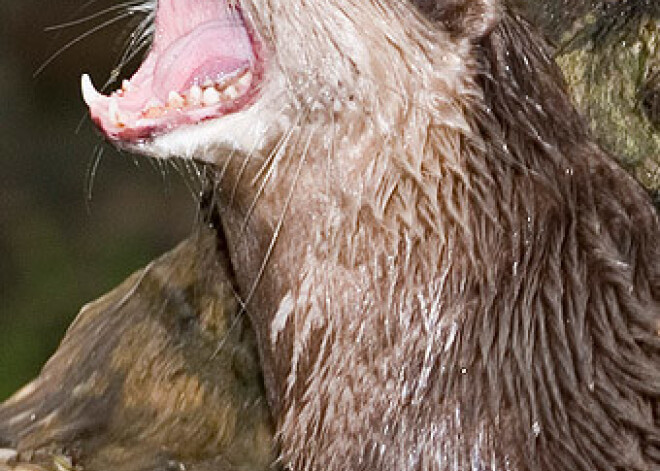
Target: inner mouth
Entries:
(203, 64)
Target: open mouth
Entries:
(204, 64)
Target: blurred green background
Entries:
(65, 240)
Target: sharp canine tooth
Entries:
(195, 95)
(208, 83)
(89, 93)
(175, 100)
(230, 92)
(211, 96)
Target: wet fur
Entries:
(443, 271)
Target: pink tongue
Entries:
(195, 40)
(212, 50)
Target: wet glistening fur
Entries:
(442, 269)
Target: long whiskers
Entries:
(91, 173)
(244, 166)
(78, 39)
(270, 163)
(278, 228)
(280, 221)
(93, 16)
(257, 144)
(140, 39)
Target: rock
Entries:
(610, 54)
(161, 373)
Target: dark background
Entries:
(64, 240)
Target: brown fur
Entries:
(443, 271)
(460, 278)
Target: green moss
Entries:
(606, 80)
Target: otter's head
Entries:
(240, 74)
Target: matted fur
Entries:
(443, 271)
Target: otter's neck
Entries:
(396, 267)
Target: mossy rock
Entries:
(162, 373)
(610, 54)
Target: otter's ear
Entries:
(466, 18)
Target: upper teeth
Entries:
(230, 92)
(245, 80)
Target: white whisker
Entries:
(269, 163)
(233, 152)
(75, 41)
(280, 221)
(91, 173)
(244, 303)
(91, 17)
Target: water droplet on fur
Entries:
(463, 370)
(536, 428)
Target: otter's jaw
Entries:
(203, 72)
(243, 130)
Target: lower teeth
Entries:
(211, 96)
(208, 95)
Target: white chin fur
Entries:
(243, 131)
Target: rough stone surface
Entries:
(161, 373)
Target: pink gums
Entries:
(196, 42)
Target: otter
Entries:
(443, 271)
